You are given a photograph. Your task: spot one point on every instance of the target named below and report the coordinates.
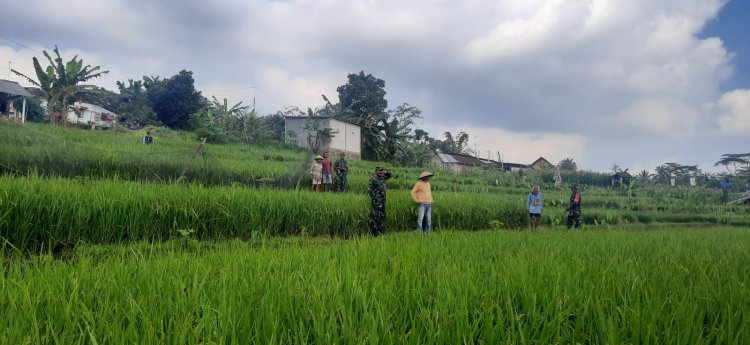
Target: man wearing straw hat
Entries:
(316, 173)
(376, 189)
(574, 207)
(421, 194)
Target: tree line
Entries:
(387, 134)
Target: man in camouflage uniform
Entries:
(376, 189)
(341, 167)
(574, 207)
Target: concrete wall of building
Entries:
(295, 133)
(346, 138)
(91, 114)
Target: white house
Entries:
(346, 137)
(91, 114)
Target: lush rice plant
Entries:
(37, 213)
(686, 286)
(66, 152)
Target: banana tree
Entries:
(59, 83)
(224, 114)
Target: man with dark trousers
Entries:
(574, 207)
(376, 189)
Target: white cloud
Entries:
(517, 37)
(734, 110)
(571, 69)
(519, 147)
(661, 116)
(289, 90)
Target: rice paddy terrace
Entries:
(106, 240)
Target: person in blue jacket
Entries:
(534, 205)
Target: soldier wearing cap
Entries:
(574, 207)
(341, 167)
(376, 189)
(421, 194)
(316, 173)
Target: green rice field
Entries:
(677, 285)
(106, 241)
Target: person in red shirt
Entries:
(327, 172)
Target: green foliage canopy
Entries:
(568, 164)
(174, 99)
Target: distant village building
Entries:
(508, 166)
(9, 92)
(346, 137)
(91, 114)
(619, 179)
(541, 164)
(456, 162)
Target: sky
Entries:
(635, 83)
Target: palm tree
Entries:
(59, 83)
(644, 176)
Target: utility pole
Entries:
(476, 152)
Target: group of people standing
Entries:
(421, 194)
(321, 173)
(535, 202)
(322, 169)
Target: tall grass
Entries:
(38, 213)
(65, 152)
(41, 212)
(664, 287)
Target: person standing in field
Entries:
(574, 207)
(534, 205)
(341, 167)
(421, 194)
(327, 172)
(376, 189)
(148, 139)
(316, 173)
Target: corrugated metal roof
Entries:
(446, 158)
(13, 88)
(466, 159)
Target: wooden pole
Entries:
(200, 146)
